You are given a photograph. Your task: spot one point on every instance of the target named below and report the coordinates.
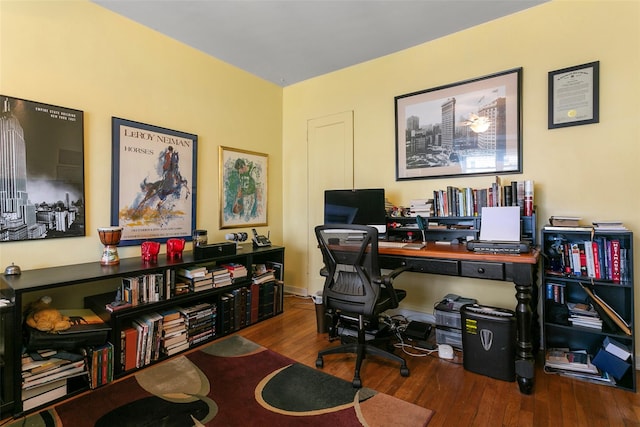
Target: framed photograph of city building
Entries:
(153, 182)
(41, 171)
(243, 188)
(467, 128)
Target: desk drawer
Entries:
(435, 266)
(421, 265)
(482, 270)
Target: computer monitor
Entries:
(359, 206)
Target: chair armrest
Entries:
(324, 272)
(387, 281)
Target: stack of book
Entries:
(181, 287)
(584, 315)
(44, 393)
(609, 226)
(564, 221)
(200, 321)
(613, 358)
(267, 276)
(565, 359)
(174, 333)
(199, 278)
(422, 207)
(611, 317)
(575, 364)
(237, 271)
(221, 277)
(45, 374)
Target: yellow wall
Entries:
(79, 55)
(590, 171)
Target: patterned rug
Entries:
(232, 382)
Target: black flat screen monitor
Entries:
(359, 206)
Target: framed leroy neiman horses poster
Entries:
(243, 188)
(41, 171)
(153, 193)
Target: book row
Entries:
(601, 259)
(155, 335)
(247, 305)
(156, 287)
(100, 364)
(467, 201)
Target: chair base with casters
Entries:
(362, 348)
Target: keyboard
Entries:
(391, 244)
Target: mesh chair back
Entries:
(350, 255)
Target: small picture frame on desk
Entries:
(574, 95)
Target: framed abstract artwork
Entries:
(153, 188)
(467, 128)
(41, 171)
(243, 188)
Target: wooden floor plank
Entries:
(457, 396)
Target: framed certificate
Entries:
(573, 95)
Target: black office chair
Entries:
(355, 289)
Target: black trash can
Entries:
(488, 341)
(321, 318)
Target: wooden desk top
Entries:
(460, 252)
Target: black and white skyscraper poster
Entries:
(41, 171)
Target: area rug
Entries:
(232, 382)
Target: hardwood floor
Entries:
(458, 397)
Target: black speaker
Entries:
(488, 341)
(213, 250)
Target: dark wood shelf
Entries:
(619, 296)
(82, 276)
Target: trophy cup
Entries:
(110, 237)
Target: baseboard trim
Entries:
(296, 291)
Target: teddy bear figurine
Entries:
(43, 317)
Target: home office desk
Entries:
(456, 260)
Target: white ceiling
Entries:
(288, 41)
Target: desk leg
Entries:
(525, 363)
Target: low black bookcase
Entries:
(89, 282)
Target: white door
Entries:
(330, 166)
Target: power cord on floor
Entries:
(397, 325)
